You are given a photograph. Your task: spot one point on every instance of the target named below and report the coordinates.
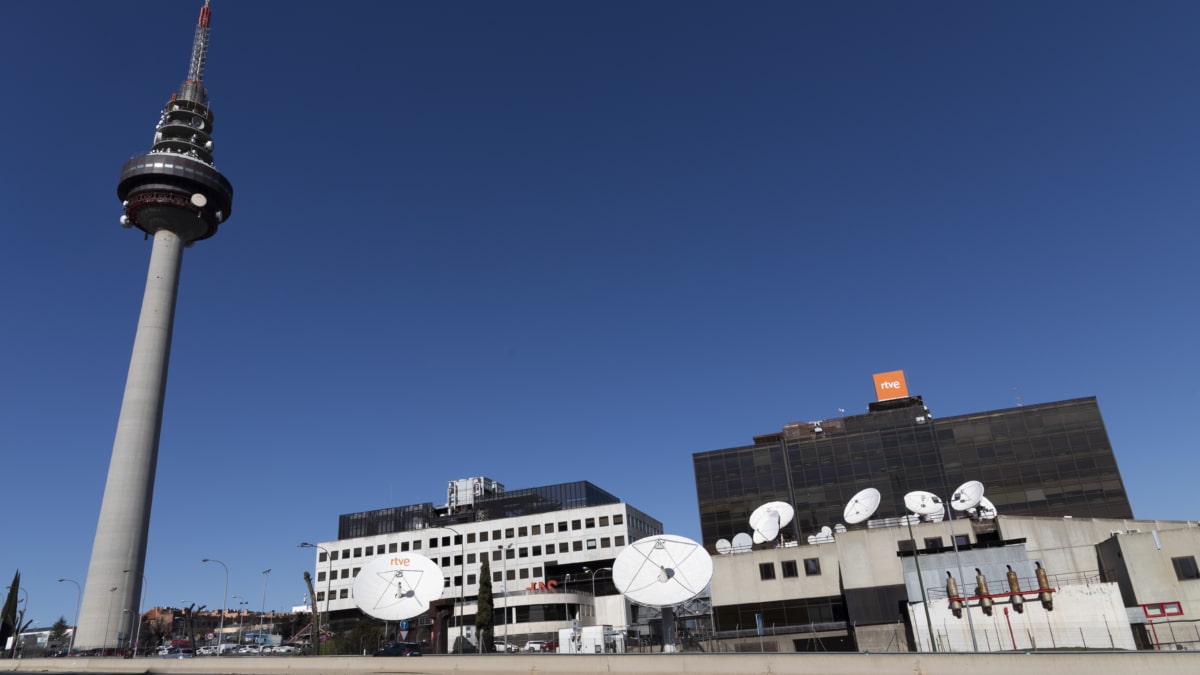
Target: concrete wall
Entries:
(1129, 663)
(1085, 616)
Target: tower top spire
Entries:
(193, 87)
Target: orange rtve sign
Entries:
(890, 385)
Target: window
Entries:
(495, 535)
(445, 582)
(537, 550)
(603, 521)
(590, 522)
(535, 530)
(496, 576)
(354, 572)
(470, 579)
(537, 571)
(320, 596)
(446, 561)
(321, 556)
(789, 569)
(508, 532)
(577, 545)
(345, 574)
(563, 547)
(619, 540)
(1185, 568)
(417, 545)
(591, 544)
(345, 554)
(433, 542)
(404, 546)
(812, 567)
(576, 524)
(522, 531)
(458, 560)
(605, 542)
(470, 537)
(523, 552)
(457, 580)
(470, 558)
(345, 593)
(562, 526)
(509, 553)
(524, 573)
(962, 540)
(483, 536)
(619, 519)
(933, 542)
(766, 571)
(370, 551)
(320, 576)
(446, 541)
(549, 528)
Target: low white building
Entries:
(550, 551)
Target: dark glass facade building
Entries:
(1051, 459)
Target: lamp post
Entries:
(224, 602)
(137, 636)
(262, 618)
(962, 577)
(241, 611)
(593, 573)
(78, 599)
(504, 559)
(107, 620)
(328, 579)
(462, 585)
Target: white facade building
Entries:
(550, 551)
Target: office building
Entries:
(550, 551)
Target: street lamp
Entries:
(504, 557)
(107, 620)
(78, 599)
(241, 610)
(224, 602)
(963, 578)
(328, 579)
(137, 636)
(262, 618)
(462, 585)
(594, 573)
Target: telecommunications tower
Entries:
(175, 195)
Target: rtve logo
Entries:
(890, 385)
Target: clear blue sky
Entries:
(552, 241)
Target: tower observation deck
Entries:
(174, 194)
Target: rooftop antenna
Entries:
(769, 518)
(862, 505)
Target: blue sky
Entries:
(548, 241)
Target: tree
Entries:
(58, 633)
(485, 617)
(8, 615)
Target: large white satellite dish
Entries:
(861, 506)
(662, 570)
(395, 587)
(742, 542)
(768, 518)
(923, 503)
(757, 537)
(724, 547)
(986, 509)
(967, 495)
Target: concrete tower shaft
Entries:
(175, 194)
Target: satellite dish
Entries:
(724, 547)
(742, 542)
(923, 503)
(986, 510)
(839, 528)
(758, 538)
(768, 518)
(199, 200)
(393, 587)
(825, 536)
(967, 495)
(861, 506)
(662, 570)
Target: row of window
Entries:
(812, 568)
(495, 535)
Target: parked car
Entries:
(534, 646)
(400, 649)
(511, 647)
(179, 653)
(286, 649)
